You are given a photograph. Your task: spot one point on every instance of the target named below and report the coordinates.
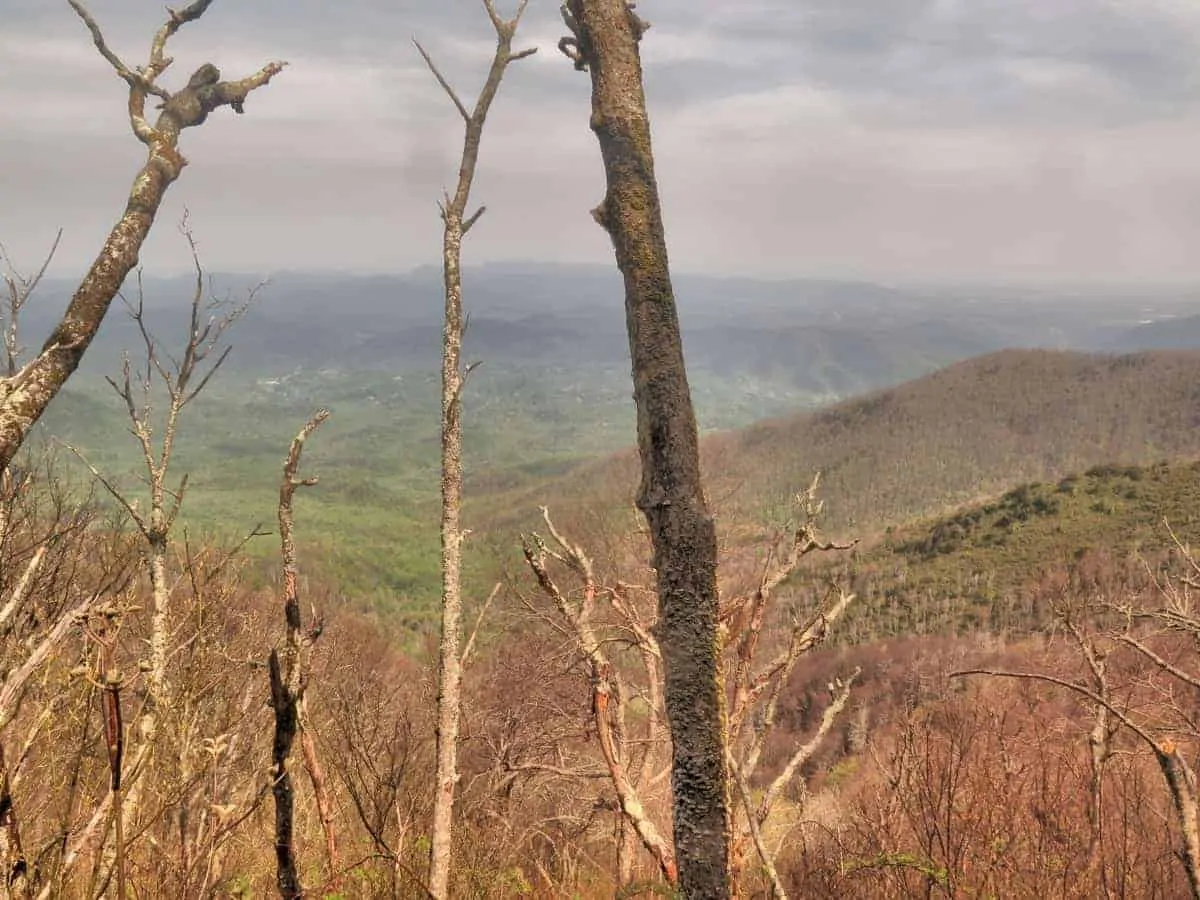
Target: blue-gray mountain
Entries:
(800, 341)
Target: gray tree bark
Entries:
(25, 395)
(454, 375)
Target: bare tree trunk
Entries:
(182, 379)
(604, 40)
(289, 675)
(1182, 782)
(449, 700)
(287, 879)
(454, 376)
(25, 395)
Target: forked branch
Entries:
(289, 677)
(607, 697)
(25, 393)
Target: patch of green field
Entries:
(371, 524)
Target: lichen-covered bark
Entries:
(287, 878)
(449, 700)
(25, 395)
(605, 35)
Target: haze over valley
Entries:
(504, 449)
(552, 393)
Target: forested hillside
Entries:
(967, 431)
(795, 499)
(984, 568)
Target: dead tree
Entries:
(181, 378)
(454, 376)
(1153, 637)
(597, 618)
(289, 678)
(754, 689)
(604, 41)
(25, 394)
(609, 696)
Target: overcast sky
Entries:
(1022, 140)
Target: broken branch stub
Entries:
(25, 394)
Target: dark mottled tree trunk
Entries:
(605, 41)
(289, 670)
(287, 879)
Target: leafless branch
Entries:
(289, 675)
(20, 289)
(204, 92)
(441, 79)
(1081, 690)
(755, 832)
(840, 689)
(17, 596)
(470, 647)
(16, 680)
(110, 487)
(25, 394)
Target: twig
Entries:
(755, 831)
(467, 651)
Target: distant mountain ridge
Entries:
(1175, 333)
(970, 430)
(813, 339)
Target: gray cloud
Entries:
(1034, 139)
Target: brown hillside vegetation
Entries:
(705, 691)
(970, 430)
(925, 784)
(966, 432)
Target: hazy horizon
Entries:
(1029, 142)
(59, 273)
